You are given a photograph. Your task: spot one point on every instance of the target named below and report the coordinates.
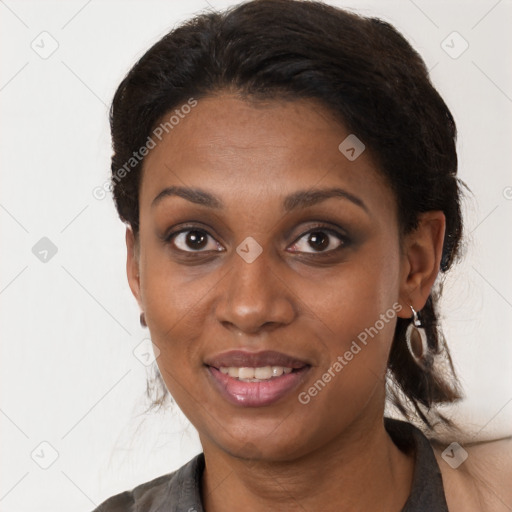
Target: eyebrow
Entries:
(305, 198)
(299, 199)
(194, 195)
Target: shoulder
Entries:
(160, 493)
(139, 498)
(477, 477)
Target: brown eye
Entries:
(196, 239)
(192, 240)
(320, 241)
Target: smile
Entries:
(262, 373)
(255, 379)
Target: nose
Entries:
(254, 297)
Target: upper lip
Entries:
(241, 359)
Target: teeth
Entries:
(255, 374)
(246, 373)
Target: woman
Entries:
(287, 174)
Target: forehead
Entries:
(229, 144)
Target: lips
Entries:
(242, 359)
(254, 392)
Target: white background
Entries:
(69, 326)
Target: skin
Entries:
(332, 453)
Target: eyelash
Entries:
(345, 241)
(342, 238)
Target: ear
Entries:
(132, 264)
(421, 260)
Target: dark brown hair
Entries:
(364, 72)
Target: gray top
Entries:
(180, 491)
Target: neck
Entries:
(360, 470)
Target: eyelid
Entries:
(180, 228)
(341, 236)
(319, 226)
(172, 233)
(324, 226)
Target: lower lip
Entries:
(256, 394)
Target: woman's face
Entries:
(274, 270)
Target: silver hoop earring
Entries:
(416, 338)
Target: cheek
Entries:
(356, 294)
(357, 310)
(175, 311)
